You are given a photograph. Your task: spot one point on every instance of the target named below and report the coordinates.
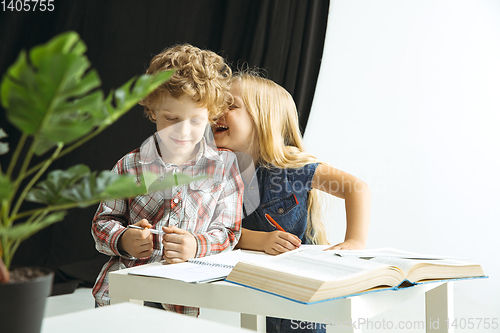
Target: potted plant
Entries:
(50, 95)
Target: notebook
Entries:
(200, 270)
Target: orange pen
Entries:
(273, 222)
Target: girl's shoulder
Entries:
(301, 173)
(303, 169)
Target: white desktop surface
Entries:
(129, 317)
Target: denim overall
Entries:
(283, 196)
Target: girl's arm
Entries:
(274, 242)
(357, 197)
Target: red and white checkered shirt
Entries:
(210, 209)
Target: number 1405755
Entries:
(27, 5)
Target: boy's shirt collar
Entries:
(150, 152)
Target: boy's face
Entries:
(180, 123)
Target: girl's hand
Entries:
(179, 245)
(137, 243)
(277, 242)
(350, 244)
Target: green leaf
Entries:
(49, 191)
(21, 231)
(109, 185)
(90, 188)
(4, 147)
(168, 182)
(50, 93)
(126, 97)
(14, 71)
(65, 43)
(5, 187)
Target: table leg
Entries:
(439, 309)
(115, 300)
(350, 320)
(253, 322)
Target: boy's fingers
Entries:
(144, 254)
(147, 243)
(171, 254)
(143, 224)
(145, 234)
(174, 230)
(169, 246)
(173, 260)
(172, 238)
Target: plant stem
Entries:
(7, 258)
(20, 176)
(69, 149)
(15, 156)
(36, 177)
(55, 208)
(14, 247)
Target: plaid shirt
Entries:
(210, 209)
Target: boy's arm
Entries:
(357, 197)
(110, 222)
(109, 225)
(224, 230)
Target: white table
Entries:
(255, 305)
(131, 318)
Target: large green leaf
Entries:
(4, 147)
(49, 191)
(21, 231)
(120, 101)
(48, 93)
(109, 185)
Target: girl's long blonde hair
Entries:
(278, 138)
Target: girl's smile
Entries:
(235, 130)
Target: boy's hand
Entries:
(179, 245)
(137, 243)
(349, 244)
(277, 242)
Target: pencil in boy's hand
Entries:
(273, 222)
(153, 231)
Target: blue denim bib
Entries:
(283, 197)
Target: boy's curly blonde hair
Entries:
(200, 74)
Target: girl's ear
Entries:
(153, 114)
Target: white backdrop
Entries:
(408, 100)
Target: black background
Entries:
(284, 37)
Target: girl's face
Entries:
(235, 129)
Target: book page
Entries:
(197, 270)
(320, 265)
(406, 264)
(230, 258)
(390, 252)
(185, 271)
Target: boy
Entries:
(198, 219)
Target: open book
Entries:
(307, 275)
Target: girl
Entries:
(262, 123)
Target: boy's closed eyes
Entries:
(181, 124)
